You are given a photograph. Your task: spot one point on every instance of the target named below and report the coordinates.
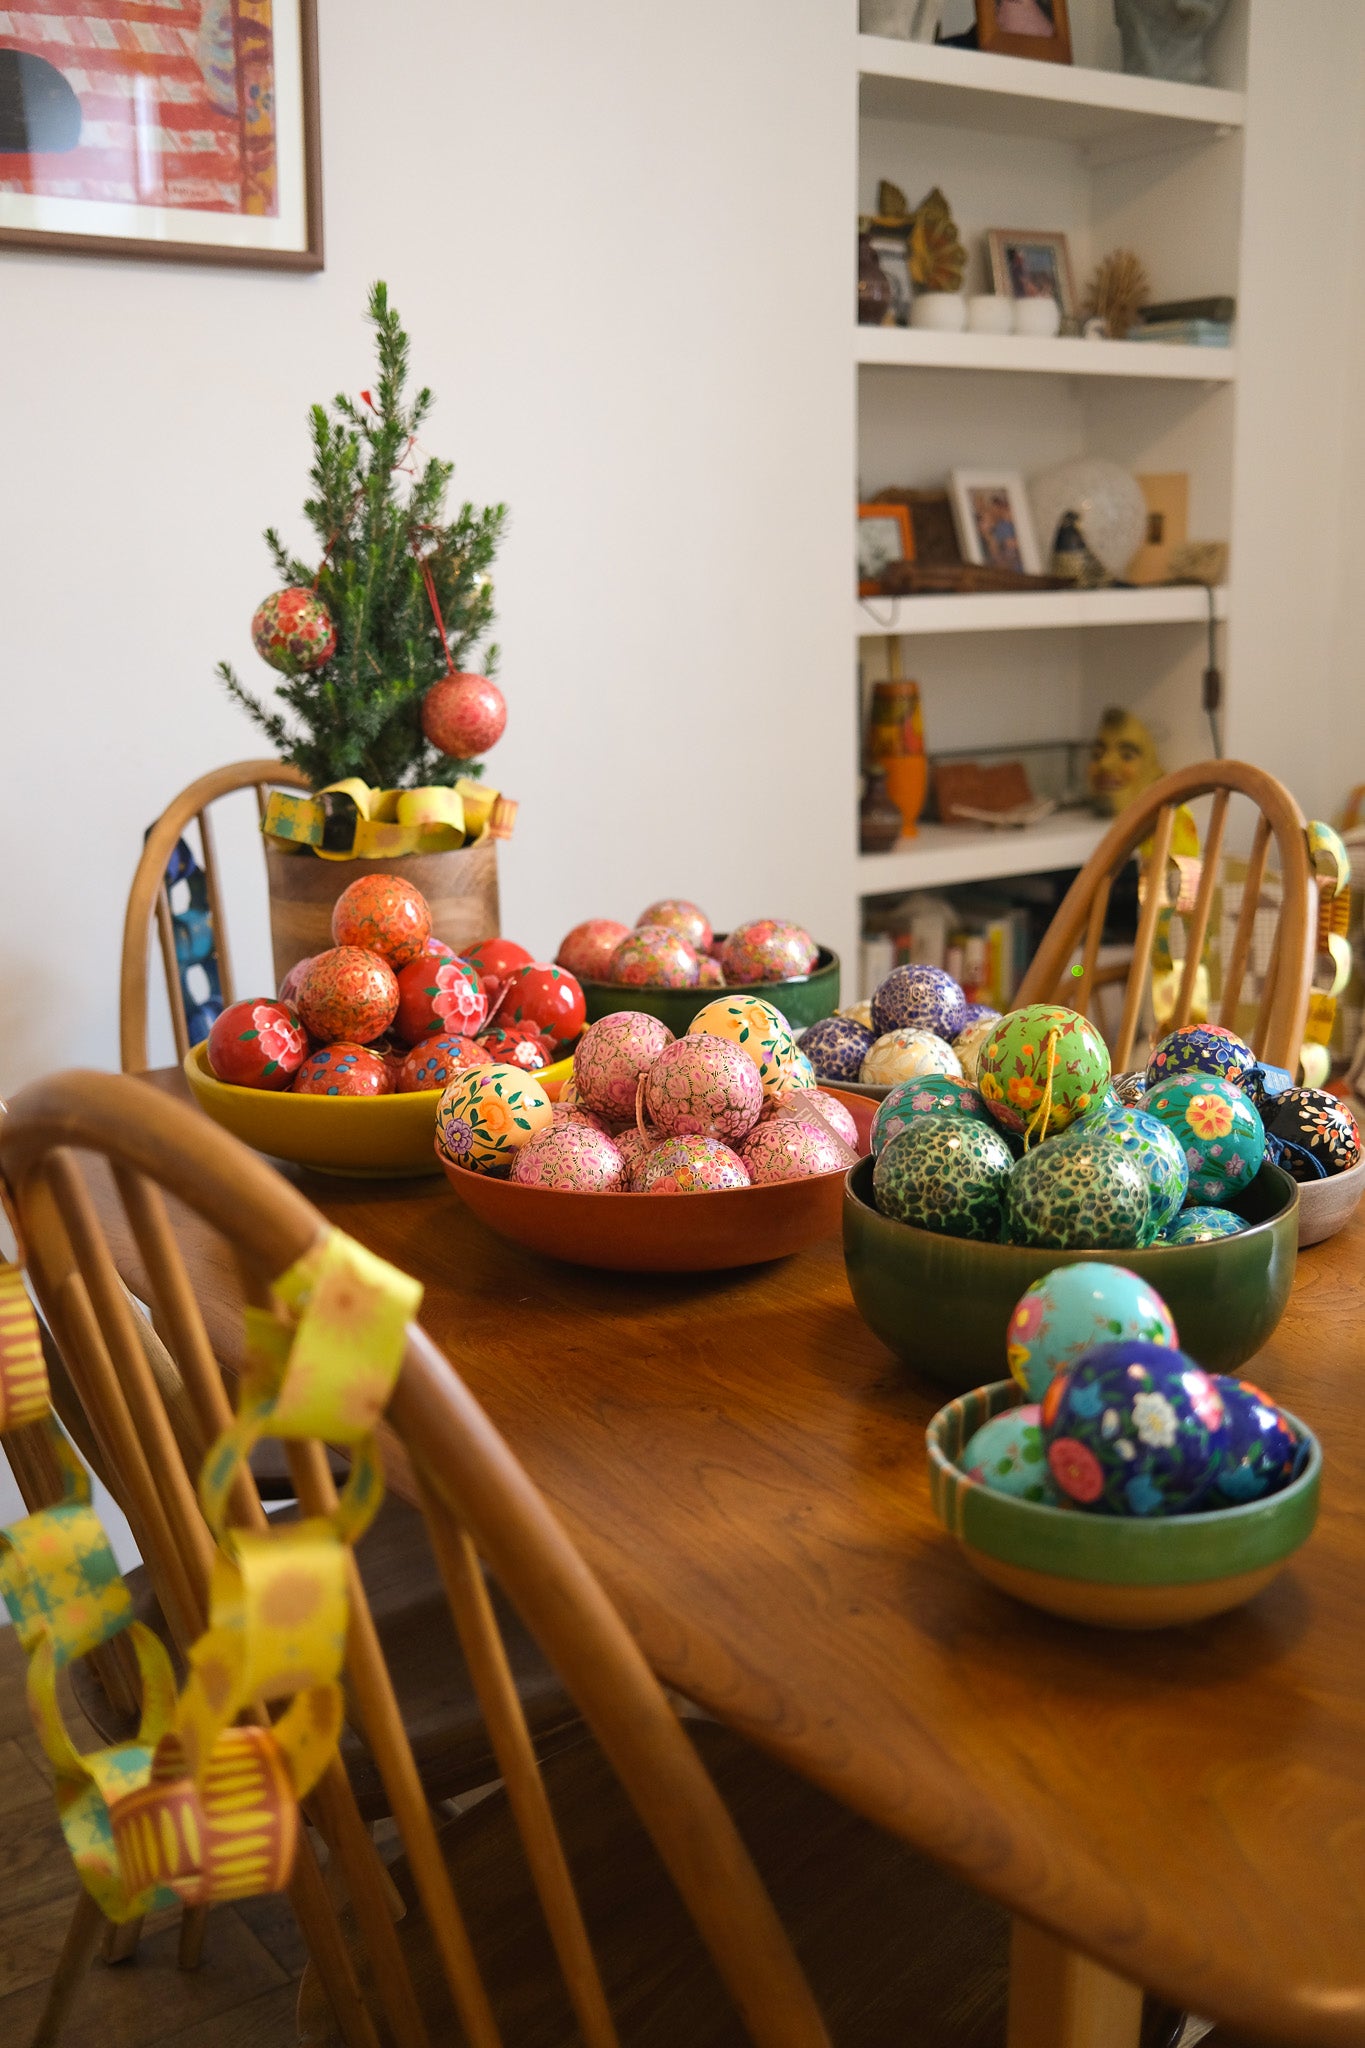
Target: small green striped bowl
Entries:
(1112, 1570)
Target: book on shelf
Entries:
(1186, 333)
(1217, 307)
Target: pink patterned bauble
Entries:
(787, 1148)
(386, 914)
(586, 951)
(654, 957)
(611, 1056)
(767, 950)
(293, 631)
(689, 1166)
(632, 1146)
(678, 915)
(569, 1097)
(348, 993)
(574, 1113)
(571, 1157)
(835, 1113)
(464, 714)
(710, 973)
(344, 1070)
(703, 1087)
(434, 1062)
(438, 999)
(289, 987)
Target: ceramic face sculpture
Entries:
(1123, 762)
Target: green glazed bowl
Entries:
(943, 1304)
(802, 1002)
(1114, 1571)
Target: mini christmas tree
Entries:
(377, 509)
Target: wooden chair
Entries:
(1079, 921)
(549, 1904)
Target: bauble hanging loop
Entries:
(464, 714)
(293, 631)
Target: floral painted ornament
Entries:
(1008, 1455)
(612, 1058)
(1134, 1429)
(257, 1044)
(945, 1174)
(545, 997)
(1313, 1122)
(969, 1041)
(756, 1026)
(385, 914)
(1153, 1145)
(343, 1070)
(436, 1061)
(930, 1095)
(1201, 1226)
(292, 630)
(678, 915)
(836, 1047)
(487, 1115)
(654, 956)
(439, 999)
(1084, 1195)
(906, 1055)
(1074, 1308)
(1041, 1068)
(1262, 1452)
(571, 1157)
(348, 993)
(688, 1166)
(1202, 1049)
(703, 1086)
(1220, 1132)
(919, 999)
(767, 950)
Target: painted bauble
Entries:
(293, 631)
(1074, 1308)
(820, 1102)
(493, 960)
(689, 1166)
(546, 998)
(348, 993)
(438, 999)
(702, 1086)
(289, 987)
(434, 1062)
(486, 1115)
(1027, 1046)
(797, 1079)
(611, 1058)
(968, 1043)
(571, 1157)
(906, 1055)
(586, 951)
(948, 1174)
(393, 1056)
(710, 973)
(257, 1044)
(344, 1070)
(919, 999)
(517, 1045)
(1309, 1121)
(1153, 1145)
(1199, 1225)
(758, 1028)
(1262, 1451)
(679, 915)
(1202, 1049)
(767, 950)
(791, 1147)
(568, 1093)
(1265, 1084)
(1085, 1195)
(653, 957)
(861, 1012)
(574, 1113)
(1221, 1135)
(1008, 1454)
(385, 914)
(633, 1147)
(836, 1047)
(464, 714)
(930, 1095)
(978, 1013)
(1133, 1429)
(1129, 1089)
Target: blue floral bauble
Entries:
(919, 999)
(836, 1047)
(930, 1095)
(1155, 1148)
(1133, 1429)
(1220, 1133)
(1074, 1308)
(1262, 1451)
(1201, 1226)
(1008, 1455)
(1202, 1049)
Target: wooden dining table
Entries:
(743, 1464)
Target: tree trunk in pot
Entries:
(461, 887)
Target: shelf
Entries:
(913, 348)
(1013, 611)
(1108, 114)
(940, 855)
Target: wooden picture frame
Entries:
(224, 67)
(872, 556)
(994, 523)
(1033, 258)
(1000, 28)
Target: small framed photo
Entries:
(1027, 263)
(892, 252)
(994, 525)
(884, 537)
(1024, 28)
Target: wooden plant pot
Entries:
(461, 887)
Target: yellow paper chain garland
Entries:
(351, 821)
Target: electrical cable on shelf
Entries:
(1212, 681)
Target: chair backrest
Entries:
(1080, 918)
(149, 901)
(479, 1508)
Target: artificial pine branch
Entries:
(360, 714)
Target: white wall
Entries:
(620, 237)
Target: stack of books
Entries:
(1194, 323)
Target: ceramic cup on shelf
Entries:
(1039, 318)
(940, 312)
(988, 313)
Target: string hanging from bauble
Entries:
(462, 714)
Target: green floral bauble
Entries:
(1012, 1068)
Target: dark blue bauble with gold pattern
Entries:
(1202, 1049)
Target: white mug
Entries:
(941, 312)
(988, 313)
(1039, 317)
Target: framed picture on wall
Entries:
(187, 132)
(1024, 28)
(994, 524)
(1031, 263)
(884, 537)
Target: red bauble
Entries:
(518, 1045)
(348, 994)
(384, 913)
(495, 961)
(257, 1044)
(293, 981)
(464, 714)
(586, 951)
(545, 999)
(438, 999)
(344, 1070)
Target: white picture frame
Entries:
(991, 534)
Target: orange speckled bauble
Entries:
(348, 993)
(386, 915)
(434, 1062)
(681, 916)
(293, 631)
(344, 1070)
(464, 714)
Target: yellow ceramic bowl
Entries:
(374, 1137)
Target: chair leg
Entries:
(1059, 1999)
(120, 1942)
(193, 1927)
(82, 1935)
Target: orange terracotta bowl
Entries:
(666, 1233)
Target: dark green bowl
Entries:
(802, 1002)
(1114, 1571)
(943, 1304)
